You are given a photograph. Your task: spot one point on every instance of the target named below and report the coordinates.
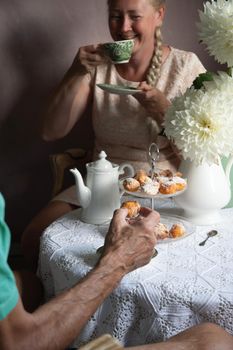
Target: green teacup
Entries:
(119, 51)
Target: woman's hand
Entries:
(88, 57)
(153, 100)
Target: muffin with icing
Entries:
(133, 208)
(178, 173)
(177, 230)
(161, 231)
(180, 183)
(166, 173)
(162, 179)
(168, 187)
(131, 184)
(142, 177)
(151, 188)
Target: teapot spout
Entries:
(83, 192)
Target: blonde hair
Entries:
(156, 61)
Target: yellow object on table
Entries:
(105, 342)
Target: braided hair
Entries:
(156, 61)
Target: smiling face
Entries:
(135, 19)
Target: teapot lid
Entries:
(102, 164)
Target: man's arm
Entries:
(204, 336)
(55, 324)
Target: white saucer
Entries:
(169, 220)
(142, 194)
(119, 89)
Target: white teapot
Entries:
(101, 195)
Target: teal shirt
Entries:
(8, 290)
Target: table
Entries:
(184, 285)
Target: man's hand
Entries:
(132, 242)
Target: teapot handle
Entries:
(129, 166)
(121, 171)
(228, 167)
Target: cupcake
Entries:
(161, 231)
(177, 230)
(142, 177)
(131, 184)
(133, 208)
(151, 188)
(168, 187)
(180, 183)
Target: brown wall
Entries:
(38, 40)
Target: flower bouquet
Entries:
(216, 30)
(200, 122)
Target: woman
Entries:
(124, 126)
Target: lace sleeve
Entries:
(192, 68)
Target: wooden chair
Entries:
(61, 162)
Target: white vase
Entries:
(208, 190)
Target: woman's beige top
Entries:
(121, 124)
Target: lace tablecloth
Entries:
(184, 285)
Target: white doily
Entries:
(184, 285)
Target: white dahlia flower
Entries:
(200, 123)
(216, 29)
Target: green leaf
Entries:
(230, 71)
(198, 82)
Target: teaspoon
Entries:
(211, 233)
